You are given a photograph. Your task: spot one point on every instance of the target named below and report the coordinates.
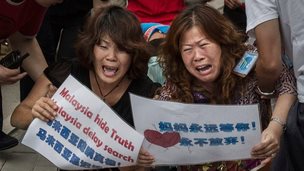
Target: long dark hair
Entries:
(218, 29)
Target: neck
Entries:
(107, 89)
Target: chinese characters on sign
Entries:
(86, 134)
(177, 133)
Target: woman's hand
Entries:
(232, 4)
(51, 91)
(270, 143)
(144, 158)
(44, 109)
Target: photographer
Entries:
(19, 22)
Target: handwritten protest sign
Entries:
(86, 133)
(177, 133)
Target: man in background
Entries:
(20, 21)
(278, 26)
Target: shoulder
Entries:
(30, 24)
(58, 72)
(260, 11)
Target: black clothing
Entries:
(291, 150)
(142, 87)
(237, 16)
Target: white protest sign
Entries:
(86, 133)
(177, 133)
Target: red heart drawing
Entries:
(165, 140)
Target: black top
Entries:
(142, 87)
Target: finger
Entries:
(146, 159)
(44, 108)
(267, 152)
(144, 155)
(238, 3)
(144, 162)
(41, 112)
(37, 114)
(268, 146)
(48, 108)
(17, 77)
(9, 72)
(49, 102)
(228, 4)
(266, 140)
(267, 160)
(235, 3)
(51, 91)
(260, 146)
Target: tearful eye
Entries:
(203, 45)
(186, 50)
(102, 46)
(15, 2)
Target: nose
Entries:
(198, 56)
(112, 56)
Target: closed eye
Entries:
(203, 45)
(187, 49)
(102, 46)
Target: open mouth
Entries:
(203, 68)
(109, 71)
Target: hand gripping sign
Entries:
(177, 133)
(86, 134)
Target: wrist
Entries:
(278, 121)
(262, 93)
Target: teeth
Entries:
(109, 70)
(203, 68)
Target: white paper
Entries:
(86, 133)
(177, 133)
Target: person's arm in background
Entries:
(35, 63)
(232, 4)
(36, 105)
(263, 25)
(272, 134)
(10, 76)
(287, 94)
(269, 64)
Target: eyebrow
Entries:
(187, 44)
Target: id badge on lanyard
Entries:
(246, 63)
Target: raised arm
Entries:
(35, 63)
